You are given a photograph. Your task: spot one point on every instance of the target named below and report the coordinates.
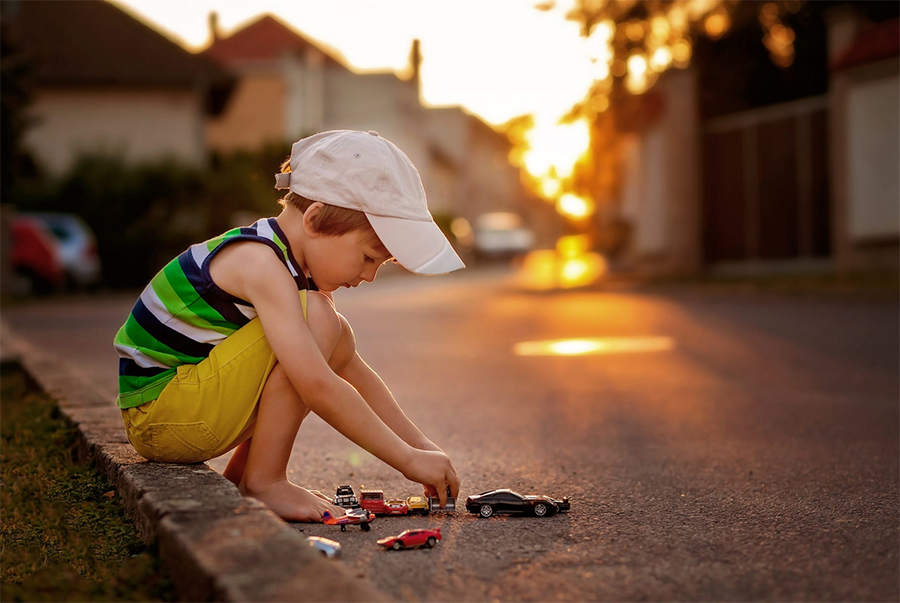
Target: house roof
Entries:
(89, 43)
(265, 39)
(873, 43)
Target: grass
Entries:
(63, 535)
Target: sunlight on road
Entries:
(593, 345)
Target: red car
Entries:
(412, 539)
(372, 500)
(35, 257)
(396, 507)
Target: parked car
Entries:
(76, 245)
(499, 235)
(412, 539)
(329, 548)
(35, 257)
(507, 501)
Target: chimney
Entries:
(843, 23)
(415, 60)
(213, 27)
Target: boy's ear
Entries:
(309, 216)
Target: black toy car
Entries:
(507, 501)
(344, 497)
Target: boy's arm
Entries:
(373, 389)
(252, 272)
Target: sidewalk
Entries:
(216, 544)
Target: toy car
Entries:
(417, 505)
(507, 501)
(372, 500)
(411, 539)
(359, 517)
(329, 548)
(396, 507)
(344, 497)
(434, 503)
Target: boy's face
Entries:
(345, 260)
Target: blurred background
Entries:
(580, 139)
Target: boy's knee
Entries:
(324, 322)
(331, 331)
(345, 348)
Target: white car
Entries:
(501, 235)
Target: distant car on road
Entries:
(35, 257)
(499, 235)
(412, 539)
(76, 247)
(507, 501)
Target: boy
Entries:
(220, 351)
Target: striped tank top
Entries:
(182, 314)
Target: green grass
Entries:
(63, 535)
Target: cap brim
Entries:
(419, 247)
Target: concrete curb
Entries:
(216, 544)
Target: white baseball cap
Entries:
(368, 173)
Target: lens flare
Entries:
(594, 346)
(575, 207)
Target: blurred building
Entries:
(737, 166)
(102, 81)
(290, 86)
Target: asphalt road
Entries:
(753, 457)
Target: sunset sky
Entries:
(497, 58)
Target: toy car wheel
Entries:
(343, 528)
(365, 527)
(486, 510)
(540, 509)
(431, 541)
(397, 545)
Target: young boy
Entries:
(220, 351)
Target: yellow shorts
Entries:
(207, 408)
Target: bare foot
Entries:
(291, 502)
(320, 495)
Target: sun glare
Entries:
(575, 207)
(594, 346)
(554, 148)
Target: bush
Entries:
(144, 215)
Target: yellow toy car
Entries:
(417, 505)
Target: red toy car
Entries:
(372, 500)
(396, 507)
(411, 539)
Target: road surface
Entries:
(749, 452)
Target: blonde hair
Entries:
(332, 220)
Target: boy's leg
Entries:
(280, 413)
(234, 471)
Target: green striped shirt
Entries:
(182, 314)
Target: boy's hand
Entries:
(435, 471)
